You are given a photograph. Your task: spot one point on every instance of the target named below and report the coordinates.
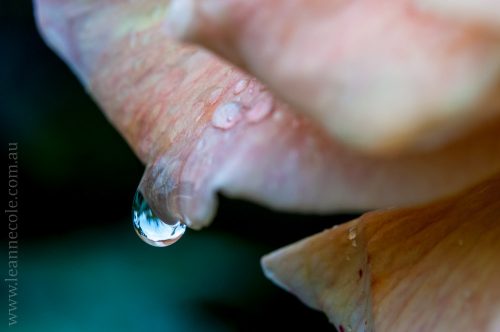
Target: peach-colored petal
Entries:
(381, 75)
(478, 13)
(430, 268)
(201, 126)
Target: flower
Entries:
(394, 109)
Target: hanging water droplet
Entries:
(226, 115)
(152, 229)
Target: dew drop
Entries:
(226, 115)
(278, 116)
(152, 229)
(214, 96)
(260, 110)
(240, 86)
(251, 87)
(352, 233)
(352, 236)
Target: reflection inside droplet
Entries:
(152, 229)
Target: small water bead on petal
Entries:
(226, 115)
(260, 110)
(251, 86)
(278, 116)
(240, 86)
(352, 233)
(352, 236)
(214, 96)
(152, 229)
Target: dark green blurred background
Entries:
(82, 268)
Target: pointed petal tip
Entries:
(270, 264)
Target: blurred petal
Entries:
(431, 268)
(478, 13)
(383, 76)
(201, 126)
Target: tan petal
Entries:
(431, 268)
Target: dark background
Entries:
(81, 266)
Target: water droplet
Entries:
(352, 233)
(214, 96)
(226, 115)
(352, 236)
(260, 110)
(251, 86)
(240, 86)
(152, 229)
(278, 116)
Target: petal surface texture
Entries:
(202, 126)
(431, 268)
(380, 75)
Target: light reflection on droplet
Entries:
(152, 229)
(226, 115)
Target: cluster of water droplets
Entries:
(227, 114)
(150, 228)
